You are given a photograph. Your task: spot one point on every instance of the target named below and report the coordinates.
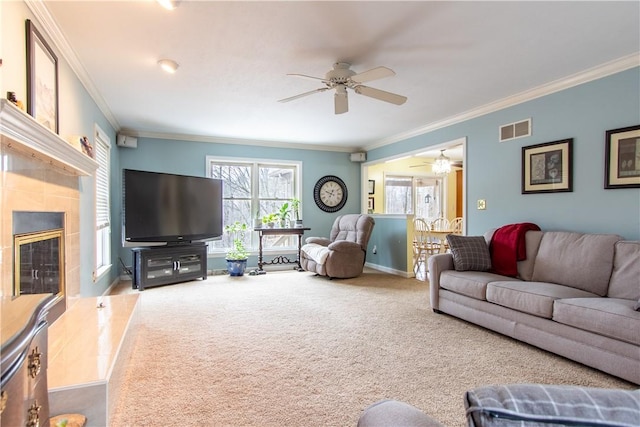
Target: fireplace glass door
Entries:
(39, 263)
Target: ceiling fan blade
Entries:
(310, 77)
(373, 74)
(340, 100)
(311, 92)
(380, 94)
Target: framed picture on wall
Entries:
(370, 204)
(372, 186)
(547, 168)
(42, 79)
(622, 158)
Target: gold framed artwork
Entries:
(622, 158)
(547, 168)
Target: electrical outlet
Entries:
(375, 249)
(482, 204)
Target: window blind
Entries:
(102, 185)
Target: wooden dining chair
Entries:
(424, 245)
(456, 224)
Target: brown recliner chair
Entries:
(342, 255)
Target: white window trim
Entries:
(297, 191)
(100, 272)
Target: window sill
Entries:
(101, 272)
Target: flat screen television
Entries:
(163, 208)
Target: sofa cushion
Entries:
(536, 405)
(532, 243)
(469, 283)
(625, 278)
(611, 317)
(582, 261)
(535, 298)
(469, 252)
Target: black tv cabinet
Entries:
(163, 265)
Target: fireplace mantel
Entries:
(21, 132)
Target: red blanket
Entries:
(508, 247)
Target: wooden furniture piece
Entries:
(163, 265)
(280, 259)
(424, 245)
(441, 237)
(24, 396)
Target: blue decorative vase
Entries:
(236, 267)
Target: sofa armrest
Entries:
(323, 241)
(436, 264)
(345, 246)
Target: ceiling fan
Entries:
(441, 164)
(342, 78)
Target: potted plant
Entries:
(295, 208)
(270, 219)
(283, 214)
(237, 255)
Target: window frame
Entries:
(102, 204)
(256, 164)
(414, 178)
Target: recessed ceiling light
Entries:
(168, 4)
(169, 65)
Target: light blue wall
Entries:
(493, 169)
(188, 158)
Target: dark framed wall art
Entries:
(622, 158)
(42, 79)
(372, 186)
(547, 168)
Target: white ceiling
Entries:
(450, 58)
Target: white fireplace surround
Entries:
(21, 132)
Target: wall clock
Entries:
(330, 193)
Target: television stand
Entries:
(164, 265)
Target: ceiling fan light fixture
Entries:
(442, 164)
(168, 65)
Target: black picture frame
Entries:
(372, 186)
(371, 204)
(42, 79)
(622, 158)
(548, 167)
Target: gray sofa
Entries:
(575, 295)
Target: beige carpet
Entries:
(293, 349)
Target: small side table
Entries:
(267, 231)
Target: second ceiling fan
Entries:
(342, 78)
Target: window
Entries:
(103, 217)
(252, 189)
(421, 196)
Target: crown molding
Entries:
(595, 73)
(52, 30)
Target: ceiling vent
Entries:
(515, 130)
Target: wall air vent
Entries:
(515, 130)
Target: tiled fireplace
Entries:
(40, 175)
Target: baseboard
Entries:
(393, 271)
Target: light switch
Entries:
(482, 204)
